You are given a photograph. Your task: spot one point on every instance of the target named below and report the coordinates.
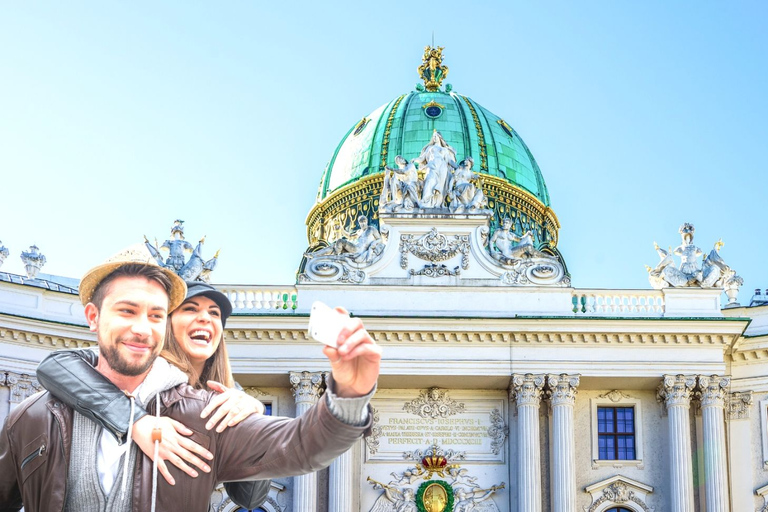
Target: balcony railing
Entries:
(618, 302)
(272, 299)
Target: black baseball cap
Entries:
(197, 288)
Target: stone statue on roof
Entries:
(176, 246)
(363, 246)
(196, 268)
(710, 272)
(463, 193)
(33, 261)
(3, 253)
(438, 158)
(402, 187)
(508, 248)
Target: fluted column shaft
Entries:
(712, 394)
(675, 390)
(340, 494)
(340, 490)
(562, 393)
(307, 388)
(527, 391)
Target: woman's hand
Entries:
(233, 407)
(174, 447)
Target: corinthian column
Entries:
(340, 485)
(307, 388)
(675, 390)
(562, 394)
(712, 393)
(527, 392)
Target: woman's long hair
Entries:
(216, 367)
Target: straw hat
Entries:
(137, 253)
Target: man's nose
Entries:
(142, 327)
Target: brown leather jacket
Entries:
(36, 439)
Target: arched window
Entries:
(618, 509)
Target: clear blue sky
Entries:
(118, 117)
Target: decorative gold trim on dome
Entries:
(506, 127)
(432, 103)
(387, 131)
(480, 136)
(432, 70)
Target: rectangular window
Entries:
(616, 433)
(267, 409)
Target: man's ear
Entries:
(92, 316)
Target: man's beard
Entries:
(119, 364)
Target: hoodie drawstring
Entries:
(127, 453)
(157, 439)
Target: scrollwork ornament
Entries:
(433, 403)
(372, 441)
(307, 386)
(527, 389)
(712, 390)
(618, 493)
(562, 389)
(498, 431)
(615, 396)
(675, 390)
(434, 247)
(738, 405)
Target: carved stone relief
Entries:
(433, 403)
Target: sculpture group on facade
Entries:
(709, 272)
(364, 245)
(445, 486)
(194, 269)
(445, 183)
(508, 248)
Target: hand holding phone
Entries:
(325, 324)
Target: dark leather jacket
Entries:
(70, 376)
(36, 438)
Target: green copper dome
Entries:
(404, 126)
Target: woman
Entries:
(193, 343)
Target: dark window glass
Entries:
(267, 412)
(616, 433)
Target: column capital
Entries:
(22, 386)
(739, 403)
(527, 388)
(676, 390)
(712, 390)
(562, 388)
(307, 386)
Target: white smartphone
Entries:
(325, 323)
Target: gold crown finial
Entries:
(432, 70)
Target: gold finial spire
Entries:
(432, 70)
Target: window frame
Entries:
(622, 401)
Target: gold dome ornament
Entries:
(432, 70)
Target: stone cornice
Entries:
(463, 337)
(750, 349)
(43, 334)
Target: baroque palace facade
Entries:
(503, 388)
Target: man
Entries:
(54, 459)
